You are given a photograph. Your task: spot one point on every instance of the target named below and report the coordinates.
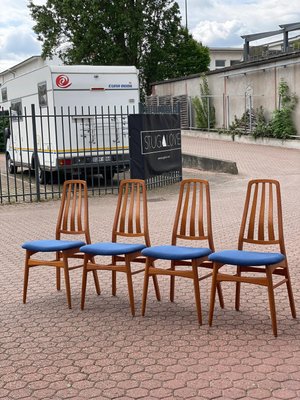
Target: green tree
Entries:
(4, 123)
(144, 33)
(185, 57)
(203, 105)
(282, 124)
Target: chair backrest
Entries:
(73, 213)
(131, 217)
(193, 215)
(262, 218)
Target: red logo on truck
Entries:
(63, 81)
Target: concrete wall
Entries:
(237, 88)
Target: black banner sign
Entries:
(155, 144)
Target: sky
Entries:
(215, 23)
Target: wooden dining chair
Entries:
(72, 220)
(130, 223)
(192, 224)
(262, 225)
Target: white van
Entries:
(81, 116)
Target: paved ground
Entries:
(50, 352)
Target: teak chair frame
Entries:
(248, 236)
(184, 228)
(72, 220)
(127, 224)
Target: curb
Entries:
(289, 144)
(209, 164)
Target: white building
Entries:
(221, 57)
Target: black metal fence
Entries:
(43, 148)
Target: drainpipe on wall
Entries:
(224, 103)
(275, 86)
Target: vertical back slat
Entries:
(131, 208)
(79, 208)
(67, 207)
(177, 215)
(261, 224)
(131, 217)
(185, 211)
(270, 214)
(73, 208)
(123, 211)
(73, 214)
(200, 221)
(252, 214)
(193, 211)
(265, 211)
(138, 209)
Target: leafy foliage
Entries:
(205, 111)
(4, 123)
(144, 33)
(262, 127)
(281, 125)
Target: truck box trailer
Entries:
(80, 116)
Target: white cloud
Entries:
(17, 44)
(222, 22)
(17, 39)
(215, 23)
(223, 33)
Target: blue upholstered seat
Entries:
(246, 258)
(111, 248)
(175, 252)
(52, 245)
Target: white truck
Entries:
(81, 117)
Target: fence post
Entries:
(228, 112)
(250, 113)
(208, 114)
(35, 154)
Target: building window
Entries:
(4, 94)
(234, 62)
(220, 63)
(16, 109)
(42, 93)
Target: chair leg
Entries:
(114, 283)
(220, 295)
(145, 289)
(197, 291)
(58, 278)
(156, 286)
(238, 290)
(290, 292)
(67, 281)
(84, 280)
(114, 277)
(271, 300)
(172, 283)
(95, 275)
(213, 292)
(97, 284)
(26, 277)
(57, 272)
(130, 286)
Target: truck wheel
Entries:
(43, 176)
(12, 169)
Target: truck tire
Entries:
(43, 176)
(10, 166)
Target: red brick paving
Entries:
(50, 352)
